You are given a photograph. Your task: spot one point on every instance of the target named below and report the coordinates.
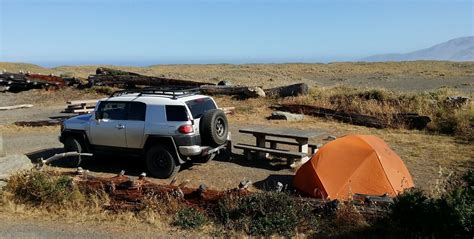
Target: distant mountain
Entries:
(459, 49)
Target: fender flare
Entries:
(163, 140)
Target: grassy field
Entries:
(400, 76)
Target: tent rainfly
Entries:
(353, 164)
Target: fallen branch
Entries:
(55, 157)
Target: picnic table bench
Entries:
(280, 136)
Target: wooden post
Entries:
(303, 148)
(260, 138)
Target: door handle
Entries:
(120, 126)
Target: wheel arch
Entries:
(81, 135)
(167, 141)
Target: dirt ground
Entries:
(429, 157)
(16, 225)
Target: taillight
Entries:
(186, 129)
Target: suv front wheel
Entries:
(73, 144)
(160, 163)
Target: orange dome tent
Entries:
(354, 164)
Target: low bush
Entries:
(266, 213)
(415, 214)
(41, 188)
(189, 218)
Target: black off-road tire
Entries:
(73, 144)
(160, 162)
(214, 128)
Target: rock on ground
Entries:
(286, 116)
(13, 163)
(2, 151)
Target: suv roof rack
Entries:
(174, 92)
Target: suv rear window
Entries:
(176, 113)
(199, 106)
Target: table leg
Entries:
(260, 143)
(303, 147)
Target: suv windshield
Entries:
(199, 106)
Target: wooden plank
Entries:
(77, 111)
(80, 102)
(73, 107)
(271, 151)
(282, 132)
(14, 107)
(277, 141)
(228, 110)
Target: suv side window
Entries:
(136, 111)
(113, 110)
(176, 113)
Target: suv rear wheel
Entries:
(160, 162)
(214, 128)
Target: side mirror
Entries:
(97, 114)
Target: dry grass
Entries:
(423, 152)
(269, 75)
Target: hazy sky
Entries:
(139, 32)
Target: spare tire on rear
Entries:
(213, 128)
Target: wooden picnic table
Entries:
(262, 134)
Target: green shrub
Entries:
(41, 188)
(264, 213)
(451, 216)
(189, 218)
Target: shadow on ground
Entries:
(274, 164)
(271, 182)
(134, 166)
(43, 154)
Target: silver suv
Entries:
(166, 126)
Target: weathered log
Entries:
(124, 79)
(289, 90)
(356, 119)
(38, 123)
(20, 82)
(243, 91)
(412, 120)
(113, 72)
(409, 120)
